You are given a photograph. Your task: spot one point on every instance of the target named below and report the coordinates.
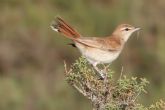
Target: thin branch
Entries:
(75, 86)
(66, 70)
(136, 96)
(121, 73)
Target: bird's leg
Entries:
(98, 70)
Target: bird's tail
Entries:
(59, 25)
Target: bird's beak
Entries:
(136, 29)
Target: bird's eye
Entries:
(127, 29)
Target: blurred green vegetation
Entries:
(31, 54)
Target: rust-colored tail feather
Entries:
(61, 26)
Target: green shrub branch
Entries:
(108, 94)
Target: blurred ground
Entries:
(32, 55)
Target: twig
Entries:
(65, 67)
(121, 73)
(75, 86)
(136, 96)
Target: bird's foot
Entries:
(103, 73)
(100, 73)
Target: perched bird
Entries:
(97, 50)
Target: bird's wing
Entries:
(108, 43)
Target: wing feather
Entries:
(108, 43)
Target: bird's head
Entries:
(124, 31)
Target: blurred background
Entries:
(32, 55)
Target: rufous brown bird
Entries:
(97, 50)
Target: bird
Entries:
(97, 50)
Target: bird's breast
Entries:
(97, 55)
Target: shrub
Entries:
(108, 94)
